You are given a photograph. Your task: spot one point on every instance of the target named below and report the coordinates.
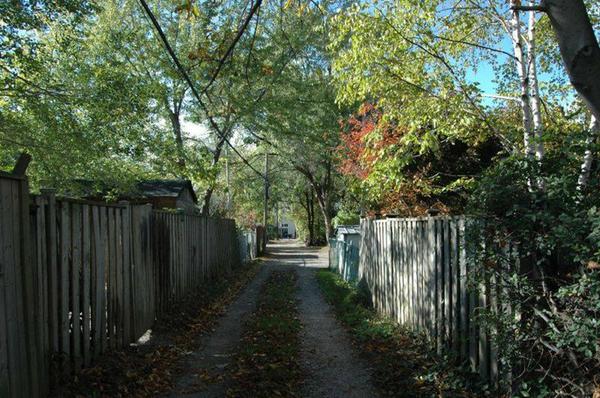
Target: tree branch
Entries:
(237, 38)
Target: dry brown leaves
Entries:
(147, 370)
(267, 364)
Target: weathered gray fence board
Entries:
(19, 308)
(7, 378)
(65, 256)
(76, 235)
(78, 278)
(464, 300)
(417, 271)
(86, 280)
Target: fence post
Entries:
(431, 279)
(128, 280)
(464, 317)
(51, 238)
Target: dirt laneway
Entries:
(333, 368)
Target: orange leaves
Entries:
(353, 147)
(361, 148)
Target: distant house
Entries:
(287, 228)
(168, 194)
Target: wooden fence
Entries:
(187, 248)
(417, 270)
(79, 278)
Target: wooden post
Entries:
(65, 259)
(464, 302)
(51, 238)
(21, 165)
(455, 285)
(431, 277)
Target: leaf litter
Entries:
(148, 370)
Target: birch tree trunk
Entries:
(534, 100)
(588, 157)
(578, 47)
(517, 41)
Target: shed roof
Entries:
(165, 188)
(348, 229)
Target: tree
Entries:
(578, 45)
(298, 117)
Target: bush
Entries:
(551, 337)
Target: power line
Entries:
(186, 77)
(253, 9)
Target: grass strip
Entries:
(404, 364)
(147, 370)
(267, 364)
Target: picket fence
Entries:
(418, 270)
(79, 278)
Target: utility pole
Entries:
(277, 220)
(228, 184)
(266, 210)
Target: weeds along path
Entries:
(267, 364)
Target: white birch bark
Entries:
(517, 40)
(588, 157)
(534, 99)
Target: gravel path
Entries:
(205, 370)
(334, 369)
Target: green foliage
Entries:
(554, 285)
(346, 216)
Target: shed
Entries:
(344, 251)
(349, 234)
(161, 194)
(170, 194)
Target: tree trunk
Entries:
(538, 128)
(310, 216)
(517, 41)
(209, 191)
(588, 157)
(176, 124)
(322, 193)
(325, 207)
(312, 219)
(578, 47)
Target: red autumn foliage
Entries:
(352, 148)
(357, 159)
